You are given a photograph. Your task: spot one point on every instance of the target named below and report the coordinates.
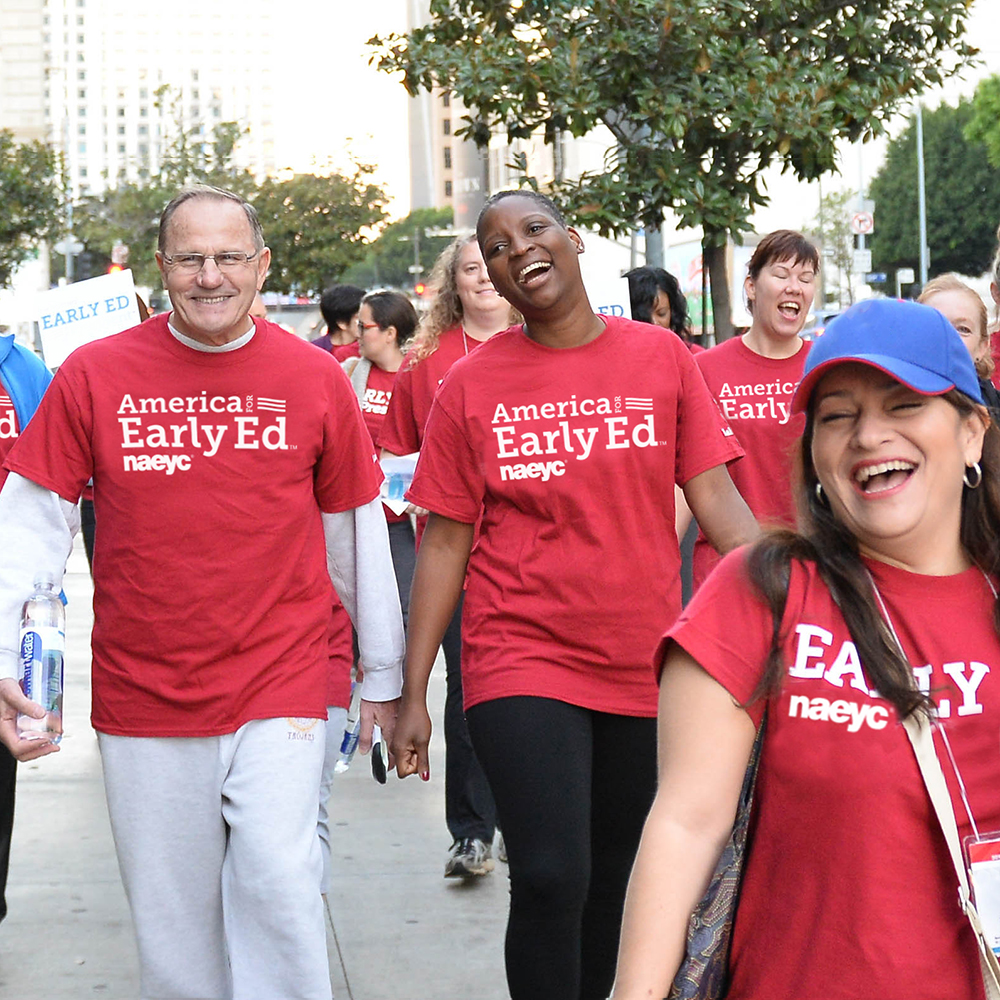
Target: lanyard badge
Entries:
(982, 852)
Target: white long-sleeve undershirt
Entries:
(37, 528)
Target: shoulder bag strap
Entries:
(359, 377)
(919, 731)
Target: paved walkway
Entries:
(397, 928)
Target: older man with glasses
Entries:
(233, 479)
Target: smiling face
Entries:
(891, 462)
(780, 298)
(472, 282)
(531, 258)
(211, 305)
(963, 310)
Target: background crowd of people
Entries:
(602, 726)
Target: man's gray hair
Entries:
(218, 194)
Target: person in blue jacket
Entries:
(24, 379)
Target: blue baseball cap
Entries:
(909, 341)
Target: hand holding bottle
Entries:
(13, 703)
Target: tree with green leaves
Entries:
(129, 212)
(316, 226)
(983, 127)
(409, 242)
(832, 227)
(701, 96)
(29, 200)
(961, 187)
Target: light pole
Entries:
(922, 199)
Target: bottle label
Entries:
(41, 673)
(349, 741)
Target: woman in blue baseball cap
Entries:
(883, 606)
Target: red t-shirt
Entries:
(572, 456)
(211, 593)
(8, 428)
(849, 890)
(416, 386)
(378, 393)
(755, 396)
(995, 353)
(345, 351)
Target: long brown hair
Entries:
(824, 540)
(446, 308)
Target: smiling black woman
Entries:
(568, 434)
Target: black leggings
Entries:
(573, 787)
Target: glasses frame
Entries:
(367, 326)
(171, 261)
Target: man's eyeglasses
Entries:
(196, 261)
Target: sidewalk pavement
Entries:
(396, 928)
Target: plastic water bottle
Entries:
(398, 485)
(40, 669)
(352, 730)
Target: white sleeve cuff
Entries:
(36, 537)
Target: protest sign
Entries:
(78, 313)
(608, 293)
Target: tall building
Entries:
(22, 69)
(444, 170)
(119, 83)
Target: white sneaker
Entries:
(469, 857)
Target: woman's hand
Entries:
(412, 736)
(437, 586)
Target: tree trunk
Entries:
(713, 249)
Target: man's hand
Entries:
(413, 734)
(12, 703)
(381, 713)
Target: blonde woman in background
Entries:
(965, 310)
(466, 311)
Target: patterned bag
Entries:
(703, 973)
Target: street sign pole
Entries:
(922, 199)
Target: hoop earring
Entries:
(820, 495)
(979, 476)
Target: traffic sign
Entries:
(905, 276)
(862, 261)
(876, 278)
(68, 245)
(862, 223)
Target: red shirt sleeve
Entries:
(54, 449)
(347, 472)
(704, 437)
(727, 629)
(399, 432)
(449, 478)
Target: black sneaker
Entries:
(469, 857)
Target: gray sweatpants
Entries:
(336, 722)
(217, 846)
